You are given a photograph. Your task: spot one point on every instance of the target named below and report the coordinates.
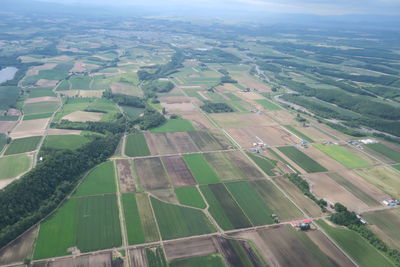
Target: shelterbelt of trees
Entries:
(39, 192)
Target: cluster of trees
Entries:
(211, 107)
(162, 71)
(214, 55)
(125, 100)
(35, 195)
(150, 119)
(305, 188)
(349, 219)
(227, 79)
(157, 86)
(102, 127)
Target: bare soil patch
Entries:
(189, 248)
(41, 99)
(91, 93)
(253, 83)
(126, 180)
(234, 120)
(282, 117)
(30, 128)
(179, 107)
(170, 143)
(198, 120)
(174, 99)
(178, 172)
(166, 195)
(63, 132)
(6, 126)
(151, 173)
(124, 88)
(245, 165)
(35, 70)
(12, 112)
(19, 249)
(324, 187)
(46, 83)
(138, 257)
(83, 116)
(101, 259)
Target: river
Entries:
(7, 74)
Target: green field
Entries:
(3, 141)
(37, 116)
(155, 257)
(277, 156)
(190, 196)
(343, 156)
(268, 104)
(132, 112)
(136, 145)
(397, 167)
(251, 203)
(266, 164)
(100, 180)
(298, 133)
(232, 96)
(12, 166)
(175, 125)
(23, 145)
(301, 159)
(149, 224)
(223, 207)
(386, 151)
(200, 169)
(132, 219)
(41, 92)
(80, 82)
(40, 107)
(214, 260)
(65, 141)
(357, 247)
(224, 167)
(176, 222)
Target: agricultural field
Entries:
(149, 224)
(170, 143)
(268, 104)
(15, 165)
(214, 260)
(386, 151)
(224, 167)
(304, 161)
(136, 145)
(344, 156)
(23, 145)
(266, 164)
(190, 196)
(298, 133)
(40, 108)
(131, 112)
(176, 221)
(178, 171)
(384, 178)
(65, 141)
(200, 168)
(175, 125)
(357, 247)
(151, 173)
(132, 219)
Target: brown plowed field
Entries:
(324, 187)
(245, 165)
(41, 99)
(63, 132)
(209, 141)
(170, 143)
(138, 257)
(228, 120)
(272, 136)
(126, 180)
(151, 173)
(282, 117)
(6, 126)
(30, 128)
(198, 120)
(315, 134)
(250, 82)
(102, 259)
(83, 116)
(189, 248)
(178, 172)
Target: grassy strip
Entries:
(298, 133)
(304, 161)
(190, 196)
(37, 116)
(132, 220)
(200, 169)
(266, 164)
(136, 145)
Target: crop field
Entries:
(357, 247)
(132, 112)
(385, 224)
(40, 107)
(12, 166)
(355, 190)
(136, 145)
(343, 155)
(397, 167)
(276, 200)
(155, 257)
(268, 104)
(223, 207)
(80, 82)
(190, 196)
(149, 224)
(8, 96)
(72, 105)
(209, 141)
(382, 177)
(125, 175)
(178, 171)
(266, 164)
(214, 260)
(200, 169)
(176, 221)
(170, 143)
(224, 167)
(151, 173)
(3, 141)
(193, 247)
(245, 165)
(37, 116)
(23, 145)
(41, 92)
(100, 180)
(132, 219)
(304, 161)
(240, 120)
(385, 151)
(251, 203)
(298, 133)
(65, 141)
(175, 125)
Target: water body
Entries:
(7, 74)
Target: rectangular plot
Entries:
(170, 143)
(245, 165)
(268, 104)
(385, 151)
(343, 156)
(276, 200)
(190, 196)
(151, 173)
(200, 169)
(98, 223)
(190, 248)
(251, 203)
(385, 178)
(225, 169)
(23, 145)
(132, 219)
(298, 133)
(147, 218)
(304, 161)
(266, 164)
(205, 141)
(126, 179)
(178, 172)
(136, 145)
(224, 208)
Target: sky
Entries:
(316, 7)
